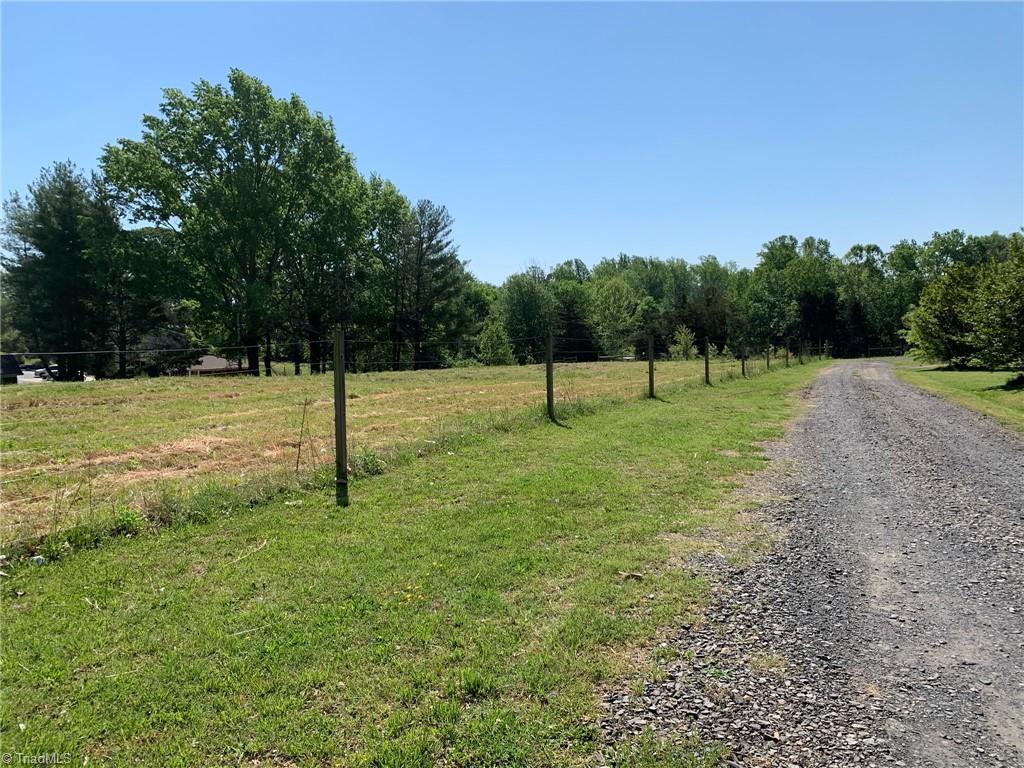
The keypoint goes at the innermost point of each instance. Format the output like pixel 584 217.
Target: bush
pixel 683 346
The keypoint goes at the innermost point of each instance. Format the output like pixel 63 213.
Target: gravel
pixel 887 625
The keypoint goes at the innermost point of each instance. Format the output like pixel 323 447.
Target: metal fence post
pixel 707 363
pixel 550 372
pixel 787 353
pixel 650 365
pixel 743 363
pixel 340 436
pixel 768 358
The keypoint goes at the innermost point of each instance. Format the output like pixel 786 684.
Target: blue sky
pixel 555 131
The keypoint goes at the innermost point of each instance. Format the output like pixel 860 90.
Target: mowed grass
pixel 465 610
pixel 984 391
pixel 72 452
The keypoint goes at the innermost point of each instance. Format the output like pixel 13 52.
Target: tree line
pixel 238 223
pixel 972 314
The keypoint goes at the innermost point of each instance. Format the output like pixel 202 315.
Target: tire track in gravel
pixel 887 626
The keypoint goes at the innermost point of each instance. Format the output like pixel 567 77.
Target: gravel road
pixel 887 626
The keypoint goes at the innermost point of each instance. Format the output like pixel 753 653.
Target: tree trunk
pixel 122 352
pixel 252 353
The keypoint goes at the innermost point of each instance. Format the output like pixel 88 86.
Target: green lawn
pixel 464 610
pixel 984 391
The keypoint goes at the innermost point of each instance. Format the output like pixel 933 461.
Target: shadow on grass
pixel 1015 384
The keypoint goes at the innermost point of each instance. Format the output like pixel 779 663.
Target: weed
pixel 366 462
pixel 126 521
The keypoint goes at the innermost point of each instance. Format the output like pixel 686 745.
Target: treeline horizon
pixel 250 229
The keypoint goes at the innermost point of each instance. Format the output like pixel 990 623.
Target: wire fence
pixel 74 452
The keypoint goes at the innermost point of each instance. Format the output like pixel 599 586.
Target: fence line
pixel 105 453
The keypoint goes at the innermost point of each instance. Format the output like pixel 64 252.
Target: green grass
pixel 983 391
pixel 464 610
pixel 73 452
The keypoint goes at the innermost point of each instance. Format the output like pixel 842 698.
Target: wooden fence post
pixel 650 365
pixel 743 363
pixel 787 353
pixel 550 371
pixel 707 363
pixel 340 435
pixel 768 357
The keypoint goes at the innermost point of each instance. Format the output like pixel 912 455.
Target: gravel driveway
pixel 887 626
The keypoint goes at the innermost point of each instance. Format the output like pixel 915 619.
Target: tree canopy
pixel 237 222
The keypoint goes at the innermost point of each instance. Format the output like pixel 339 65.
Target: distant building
pixel 210 365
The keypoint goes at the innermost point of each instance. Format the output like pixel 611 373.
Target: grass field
pixel 464 610
pixel 984 391
pixel 74 451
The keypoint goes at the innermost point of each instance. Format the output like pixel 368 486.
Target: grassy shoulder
pixel 983 391
pixel 462 611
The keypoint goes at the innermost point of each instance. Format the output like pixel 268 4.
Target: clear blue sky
pixel 581 130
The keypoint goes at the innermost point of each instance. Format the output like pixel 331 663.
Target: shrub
pixel 683 346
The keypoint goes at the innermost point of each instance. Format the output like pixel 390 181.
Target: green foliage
pixel 75 280
pixel 495 346
pixel 997 311
pixel 248 183
pixel 527 308
pixel 127 521
pixel 366 462
pixel 684 344
pixel 616 304
pixel 253 229
pixel 939 327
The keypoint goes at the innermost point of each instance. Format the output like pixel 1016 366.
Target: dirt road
pixel 887 627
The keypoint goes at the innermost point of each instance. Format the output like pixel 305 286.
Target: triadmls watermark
pixel 35 758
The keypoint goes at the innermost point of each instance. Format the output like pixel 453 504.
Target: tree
pixel 574 333
pixel 939 327
pixel 322 278
pixel 437 278
pixel 615 307
pixel 234 173
pixel 49 273
pixel 709 298
pixel 527 309
pixel 997 310
pixel 495 347
pixel 389 222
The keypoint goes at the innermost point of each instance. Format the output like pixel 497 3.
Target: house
pixel 211 365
